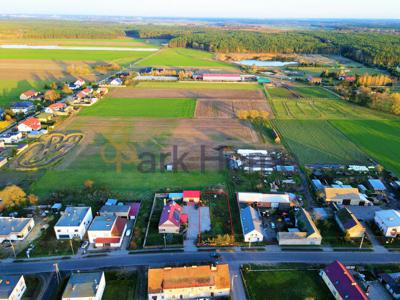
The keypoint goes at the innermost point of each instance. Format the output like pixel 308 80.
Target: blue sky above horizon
pixel 384 9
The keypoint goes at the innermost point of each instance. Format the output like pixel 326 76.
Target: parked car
pixel 128 232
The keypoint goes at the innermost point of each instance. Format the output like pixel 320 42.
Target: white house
pixel 85 286
pixel 222 77
pixel 24 107
pixel 107 231
pixel 15 229
pixel 116 82
pixel 11 137
pixel 28 95
pixel 30 124
pixel 12 287
pixel 388 221
pixel 73 223
pixel 251 225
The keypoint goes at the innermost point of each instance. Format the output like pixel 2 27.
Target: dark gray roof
pixel 82 285
pixel 7 285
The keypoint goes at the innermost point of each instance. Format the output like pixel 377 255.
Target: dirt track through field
pixel 183 93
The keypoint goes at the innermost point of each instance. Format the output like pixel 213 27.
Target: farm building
pixel 281 201
pixel 11 137
pixel 15 229
pixel 171 218
pixel 85 286
pixel 388 222
pixel 341 283
pixel 189 282
pixel 28 95
pixel 349 224
pixel 344 196
pixel 306 232
pixel 107 231
pixel 30 124
pixel 156 78
pixel 73 223
pixel 12 287
pixel 251 225
pixel 377 185
pixel 222 77
pixel 24 107
pixel 314 80
pixel 191 196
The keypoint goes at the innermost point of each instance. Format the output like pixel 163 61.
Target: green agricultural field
pixel 324 109
pixel 198 85
pixel 357 70
pixel 10 90
pixel 280 93
pixel 181 57
pixel 314 92
pixel 87 55
pixel 379 139
pixel 286 285
pixel 314 142
pixel 147 108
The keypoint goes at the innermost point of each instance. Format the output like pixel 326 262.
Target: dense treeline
pixel 60 29
pixel 381 50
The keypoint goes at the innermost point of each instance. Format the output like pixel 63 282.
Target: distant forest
pixel 377 49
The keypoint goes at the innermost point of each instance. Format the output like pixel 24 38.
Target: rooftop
pixel 7 285
pixel 82 285
pixel 73 216
pixel 186 277
pixel 390 217
pixel 250 220
pixel 344 282
pixel 171 212
pixel 258 197
pixel 342 193
pixel 10 225
pixel 115 209
pixel 307 223
pixel 347 218
pixel 377 185
pixel 103 223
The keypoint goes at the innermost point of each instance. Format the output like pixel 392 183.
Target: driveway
pixel 198 219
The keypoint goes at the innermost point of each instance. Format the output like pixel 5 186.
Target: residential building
pixel 73 223
pixel 251 225
pixel 191 196
pixel 28 95
pixel 156 78
pixel 24 107
pixel 44 117
pixel 314 80
pixel 391 281
pixel 122 211
pixel 15 229
pixel 107 231
pixel 85 286
pixel 189 282
pixel 12 287
pixel 349 224
pixel 55 107
pixel 281 201
pixel 11 137
pixel 344 196
pixel 388 222
pixel 222 77
pixel 30 124
pixel 377 185
pixel 341 283
pixel 306 232
pixel 171 218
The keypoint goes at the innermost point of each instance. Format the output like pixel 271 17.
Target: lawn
pixel 195 85
pixel 378 138
pixel 286 285
pixel 146 108
pixel 10 90
pixel 87 55
pixel 314 92
pixel 280 93
pixel 181 57
pixel 120 286
pixel 318 142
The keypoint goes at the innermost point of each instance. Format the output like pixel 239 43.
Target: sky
pixel 383 9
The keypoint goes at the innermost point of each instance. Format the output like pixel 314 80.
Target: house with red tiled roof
pixel 191 196
pixel 55 107
pixel 30 124
pixel 341 283
pixel 171 218
pixel 28 95
pixel 107 231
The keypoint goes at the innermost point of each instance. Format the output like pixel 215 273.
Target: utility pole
pixel 232 283
pixel 72 247
pixel 165 242
pixel 13 248
pixel 57 270
pixel 362 240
